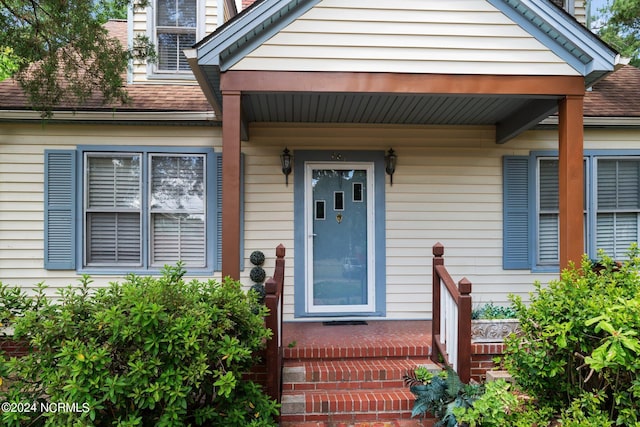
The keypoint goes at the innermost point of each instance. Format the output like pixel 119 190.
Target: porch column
pixel 231 184
pixel 571 180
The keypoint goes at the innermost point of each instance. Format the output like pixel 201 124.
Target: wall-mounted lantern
pixel 390 163
pixel 285 159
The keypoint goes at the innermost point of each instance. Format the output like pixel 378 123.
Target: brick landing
pixel 351 375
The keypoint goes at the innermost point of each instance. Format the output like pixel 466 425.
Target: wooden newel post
pixel 273 320
pixel 438 253
pixel 464 330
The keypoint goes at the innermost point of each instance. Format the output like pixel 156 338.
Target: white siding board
pixel 469 37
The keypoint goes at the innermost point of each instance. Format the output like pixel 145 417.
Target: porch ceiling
pixel 379 108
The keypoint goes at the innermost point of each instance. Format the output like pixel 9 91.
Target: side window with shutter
pixel 59 209
pixel 130 211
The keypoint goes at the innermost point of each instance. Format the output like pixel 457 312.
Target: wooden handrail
pixel 273 300
pixel 460 294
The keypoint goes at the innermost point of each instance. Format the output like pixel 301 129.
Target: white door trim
pixel 308 226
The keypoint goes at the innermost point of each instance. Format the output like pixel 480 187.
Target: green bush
pixel 489 311
pixel 147 352
pixel 579 350
pixel 502 405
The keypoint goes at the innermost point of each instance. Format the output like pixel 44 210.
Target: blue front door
pixel 339 252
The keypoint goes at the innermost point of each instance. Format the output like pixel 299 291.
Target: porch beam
pixel 524 118
pixel 302 81
pixel 571 179
pixel 231 133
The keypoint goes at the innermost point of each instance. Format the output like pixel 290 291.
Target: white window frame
pixel 153 71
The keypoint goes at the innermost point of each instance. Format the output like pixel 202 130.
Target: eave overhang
pixel 214 56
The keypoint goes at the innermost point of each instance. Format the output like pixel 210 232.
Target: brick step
pixel 394 423
pixel 347 406
pixel 357 350
pixel 349 374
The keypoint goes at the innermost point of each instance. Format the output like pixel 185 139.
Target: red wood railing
pixel 273 320
pixel 451 325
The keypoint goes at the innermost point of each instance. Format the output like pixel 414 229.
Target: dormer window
pixel 176 29
pixel 567 5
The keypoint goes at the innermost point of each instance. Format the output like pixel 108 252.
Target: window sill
pixel 114 271
pixel 186 76
pixel 546 269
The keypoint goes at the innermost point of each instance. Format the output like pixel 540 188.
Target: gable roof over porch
pixel 256 66
pixel 416 39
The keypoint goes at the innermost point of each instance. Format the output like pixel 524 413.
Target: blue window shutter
pixel 218 245
pixel 218 220
pixel 515 241
pixel 59 209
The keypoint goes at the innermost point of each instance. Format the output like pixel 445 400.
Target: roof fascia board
pixel 602 57
pixel 597 122
pixel 112 116
pixel 248 30
pixel 208 89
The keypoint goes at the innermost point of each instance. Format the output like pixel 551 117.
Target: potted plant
pixel 492 323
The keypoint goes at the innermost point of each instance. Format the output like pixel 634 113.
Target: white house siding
pixel 22 187
pixel 447 188
pixel 580 11
pixel 459 37
pixel 141 24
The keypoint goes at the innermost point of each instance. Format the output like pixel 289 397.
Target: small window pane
pixel 548 184
pixel 170 50
pixel 320 210
pixel 178 237
pixel 187 13
pixel 357 192
pixel 113 238
pixel 607 184
pixel 548 239
pixel 338 200
pixel 113 182
pixel 628 184
pixel 177 183
pixel 615 233
pixel 167 13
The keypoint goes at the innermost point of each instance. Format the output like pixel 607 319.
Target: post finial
pixel 464 286
pixel 438 249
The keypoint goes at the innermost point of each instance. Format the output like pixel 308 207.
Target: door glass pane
pixel 340 238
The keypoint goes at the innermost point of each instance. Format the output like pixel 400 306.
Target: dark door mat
pixel 344 322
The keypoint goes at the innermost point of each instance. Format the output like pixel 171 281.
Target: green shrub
pixel 580 337
pixel 147 352
pixel 13 303
pixel 501 405
pixel 489 311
